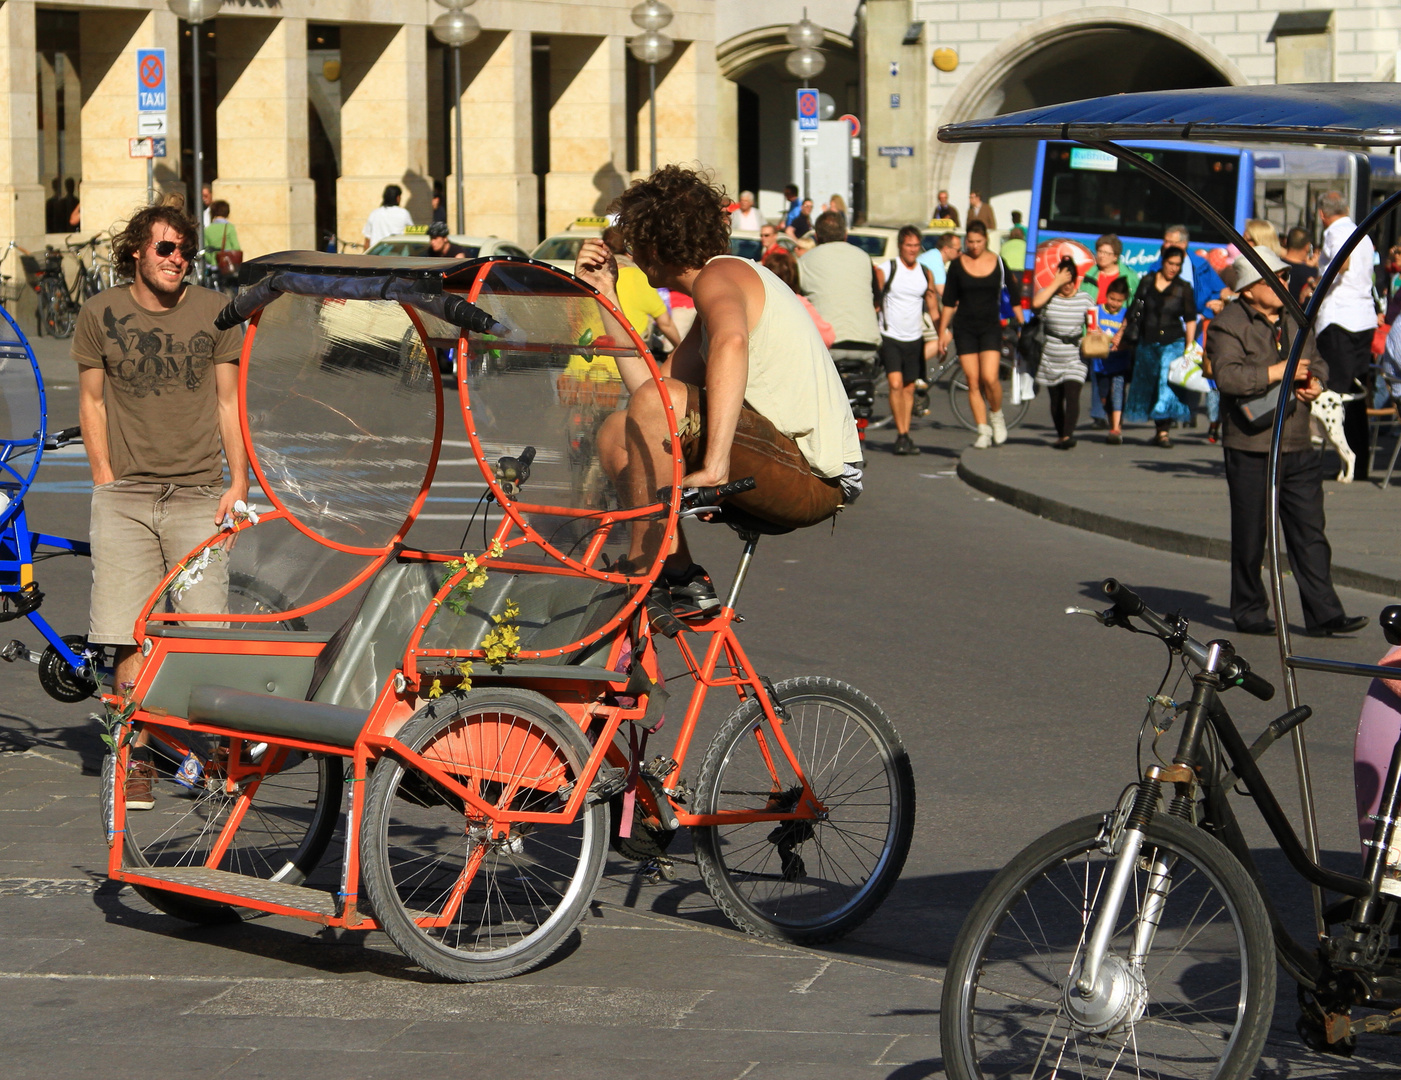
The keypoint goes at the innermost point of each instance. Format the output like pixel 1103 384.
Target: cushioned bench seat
pixel 267 714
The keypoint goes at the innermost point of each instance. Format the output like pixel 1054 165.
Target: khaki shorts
pixel 786 492
pixel 139 532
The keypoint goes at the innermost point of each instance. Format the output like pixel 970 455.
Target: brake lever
pixel 1098 616
pixel 697 511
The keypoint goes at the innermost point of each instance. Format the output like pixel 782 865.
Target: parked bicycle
pixel 57 313
pixel 94 274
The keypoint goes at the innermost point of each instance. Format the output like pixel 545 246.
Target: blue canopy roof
pixel 1338 114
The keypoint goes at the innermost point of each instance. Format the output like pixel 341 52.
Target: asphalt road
pixel 943 604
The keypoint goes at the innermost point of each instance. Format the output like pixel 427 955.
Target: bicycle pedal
pixel 659 614
pixel 659 768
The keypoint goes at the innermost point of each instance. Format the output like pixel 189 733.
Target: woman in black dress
pixel 1163 316
pixel 972 320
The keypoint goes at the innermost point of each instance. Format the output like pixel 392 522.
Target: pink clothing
pixel 1378 728
pixel 829 336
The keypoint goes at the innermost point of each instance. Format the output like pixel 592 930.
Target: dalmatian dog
pixel 1327 411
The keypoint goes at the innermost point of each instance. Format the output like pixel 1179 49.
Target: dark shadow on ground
pixel 19 733
pixel 1198 608
pixel 1178 469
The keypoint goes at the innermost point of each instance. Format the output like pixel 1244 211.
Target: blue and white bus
pixel 1080 194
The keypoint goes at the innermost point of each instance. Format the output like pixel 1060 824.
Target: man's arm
pixel 230 431
pixel 721 304
pixel 668 328
pixel 92 415
pixel 931 296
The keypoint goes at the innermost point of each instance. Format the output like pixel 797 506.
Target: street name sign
pixel 146 148
pixel 894 153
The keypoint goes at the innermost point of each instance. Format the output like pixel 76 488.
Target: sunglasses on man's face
pixel 166 248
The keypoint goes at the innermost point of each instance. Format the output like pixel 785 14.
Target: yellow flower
pixel 436 690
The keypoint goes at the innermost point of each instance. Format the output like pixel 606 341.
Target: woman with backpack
pixel 906 292
pixel 972 321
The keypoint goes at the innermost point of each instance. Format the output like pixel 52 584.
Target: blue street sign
pixel 150 80
pixel 807 110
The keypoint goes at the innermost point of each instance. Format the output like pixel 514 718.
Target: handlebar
pixel 1235 671
pixel 62 438
pixel 691 498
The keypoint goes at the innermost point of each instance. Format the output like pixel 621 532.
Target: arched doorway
pixel 766 103
pixel 1098 52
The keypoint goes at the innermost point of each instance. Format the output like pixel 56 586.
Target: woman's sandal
pixel 1163 439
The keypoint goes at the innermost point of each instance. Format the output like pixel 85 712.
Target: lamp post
pixel 651 47
pixel 197 13
pixel 455 28
pixel 806 61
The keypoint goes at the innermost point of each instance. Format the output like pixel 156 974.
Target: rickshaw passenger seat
pixel 267 714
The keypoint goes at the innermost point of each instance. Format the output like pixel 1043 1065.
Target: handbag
pixel 227 260
pixel 1095 344
pixel 1031 341
pixel 1185 371
pixel 1257 414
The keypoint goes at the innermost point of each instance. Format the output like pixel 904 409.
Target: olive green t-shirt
pixel 162 408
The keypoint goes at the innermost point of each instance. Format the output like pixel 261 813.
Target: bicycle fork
pixel 1101 984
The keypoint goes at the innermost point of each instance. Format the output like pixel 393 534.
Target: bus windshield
pixel 1088 191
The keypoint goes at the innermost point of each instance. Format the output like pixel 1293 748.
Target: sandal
pixel 1163 440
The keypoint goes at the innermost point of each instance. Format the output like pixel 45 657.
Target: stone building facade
pixel 311 107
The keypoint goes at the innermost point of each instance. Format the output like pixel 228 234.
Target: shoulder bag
pixel 227 260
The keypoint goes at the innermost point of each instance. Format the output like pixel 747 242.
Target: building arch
pixel 1075 54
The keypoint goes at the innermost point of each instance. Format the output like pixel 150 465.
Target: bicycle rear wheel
pixel 458 897
pixel 289 817
pixel 806 881
pixel 1198 1006
pixel 958 401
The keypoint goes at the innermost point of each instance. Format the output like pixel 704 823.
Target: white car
pixel 413 241
pixel 562 249
pixel 875 240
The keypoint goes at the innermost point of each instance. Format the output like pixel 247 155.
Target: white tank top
pixel 902 313
pixel 792 380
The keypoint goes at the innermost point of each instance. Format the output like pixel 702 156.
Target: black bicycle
pixel 1143 942
pixel 95 272
pixel 57 311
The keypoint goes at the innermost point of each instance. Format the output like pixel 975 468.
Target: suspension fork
pixel 1182 774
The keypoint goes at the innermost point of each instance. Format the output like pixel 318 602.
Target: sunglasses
pixel 166 248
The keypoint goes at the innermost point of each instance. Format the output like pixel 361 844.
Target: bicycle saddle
pixel 744 522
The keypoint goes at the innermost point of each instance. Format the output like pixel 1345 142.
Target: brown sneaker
pixel 141 780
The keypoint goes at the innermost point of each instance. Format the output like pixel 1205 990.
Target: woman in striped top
pixel 1065 310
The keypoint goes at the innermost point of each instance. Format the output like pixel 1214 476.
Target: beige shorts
pixel 139 532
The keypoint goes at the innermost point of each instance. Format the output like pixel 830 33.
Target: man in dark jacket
pixel 1248 346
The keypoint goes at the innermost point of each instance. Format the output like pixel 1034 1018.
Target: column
pixel 498 184
pixel 686 109
pixel 726 153
pixel 898 191
pixel 263 166
pixel 21 196
pixel 384 123
pixel 588 137
pixel 114 183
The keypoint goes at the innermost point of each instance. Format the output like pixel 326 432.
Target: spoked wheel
pixel 288 809
pixel 1198 1005
pixel 464 898
pixel 806 881
pixel 958 400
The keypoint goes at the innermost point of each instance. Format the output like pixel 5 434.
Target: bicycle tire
pixel 963 411
pixel 259 598
pixel 757 872
pixel 515 899
pixel 278 839
pixel 1007 988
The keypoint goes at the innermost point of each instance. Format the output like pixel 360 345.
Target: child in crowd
pixel 1111 371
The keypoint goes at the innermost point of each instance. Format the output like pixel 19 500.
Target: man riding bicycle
pixel 753 387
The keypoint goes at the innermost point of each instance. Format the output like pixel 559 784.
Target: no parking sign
pixel 807 110
pixel 150 80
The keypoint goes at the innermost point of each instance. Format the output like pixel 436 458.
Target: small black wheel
pixel 1196 1003
pixel 467 897
pixel 806 881
pixel 59 679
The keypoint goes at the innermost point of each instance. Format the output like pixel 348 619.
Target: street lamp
pixel 455 28
pixel 651 47
pixel 806 61
pixel 196 13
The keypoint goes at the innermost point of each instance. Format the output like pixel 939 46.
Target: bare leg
pixel 126 666
pixel 989 364
pixel 902 400
pixel 635 450
pixel 972 372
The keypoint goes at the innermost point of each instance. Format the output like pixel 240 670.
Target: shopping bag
pixel 1185 372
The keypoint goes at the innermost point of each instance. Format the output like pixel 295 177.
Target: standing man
pixel 206 198
pixel 980 211
pixel 836 277
pixel 388 218
pixel 158 404
pixel 944 211
pixel 1347 319
pixel 794 204
pixel 1303 263
pixel 745 217
pixel 1248 345
pixel 907 292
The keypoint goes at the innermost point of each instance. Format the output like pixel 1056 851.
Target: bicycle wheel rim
pixel 1012 997
pixel 493 899
pixel 810 875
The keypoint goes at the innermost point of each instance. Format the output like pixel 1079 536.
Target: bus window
pixel 1089 192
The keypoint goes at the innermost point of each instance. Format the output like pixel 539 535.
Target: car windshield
pixel 871 245
pixel 746 247
pixel 398 247
pixel 559 248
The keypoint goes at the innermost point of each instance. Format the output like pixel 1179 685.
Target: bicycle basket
pixel 32 270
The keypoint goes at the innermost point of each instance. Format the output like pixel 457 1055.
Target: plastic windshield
pixel 22 422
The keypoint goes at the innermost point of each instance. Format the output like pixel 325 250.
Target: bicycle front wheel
pixel 958 401
pixel 802 880
pixel 464 896
pixel 1197 1005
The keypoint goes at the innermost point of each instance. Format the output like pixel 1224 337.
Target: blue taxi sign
pixel 150 80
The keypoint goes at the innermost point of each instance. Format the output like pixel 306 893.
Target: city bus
pixel 1078 194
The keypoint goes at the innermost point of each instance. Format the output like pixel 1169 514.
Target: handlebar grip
pixel 229 317
pixel 1253 684
pixel 1126 601
pixel 68 434
pixel 709 496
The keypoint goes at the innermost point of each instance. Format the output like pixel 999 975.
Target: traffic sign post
pixel 151 125
pixel 808 114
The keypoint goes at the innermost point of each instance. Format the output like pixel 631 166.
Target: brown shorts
pixel 786 492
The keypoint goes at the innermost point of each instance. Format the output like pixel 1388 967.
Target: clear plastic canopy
pixel 22 421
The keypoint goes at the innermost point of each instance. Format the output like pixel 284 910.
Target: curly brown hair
pixel 127 245
pixel 675 217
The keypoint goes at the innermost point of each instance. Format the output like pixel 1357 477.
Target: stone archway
pixel 1079 54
